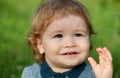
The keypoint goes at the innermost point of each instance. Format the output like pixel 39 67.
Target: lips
pixel 70 53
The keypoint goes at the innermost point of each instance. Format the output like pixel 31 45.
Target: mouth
pixel 70 53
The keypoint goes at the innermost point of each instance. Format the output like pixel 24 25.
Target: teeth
pixel 70 53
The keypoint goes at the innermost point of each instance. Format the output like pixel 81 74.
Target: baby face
pixel 66 43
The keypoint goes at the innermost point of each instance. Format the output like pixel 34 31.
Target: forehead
pixel 70 22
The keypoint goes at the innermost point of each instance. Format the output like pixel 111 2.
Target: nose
pixel 69 43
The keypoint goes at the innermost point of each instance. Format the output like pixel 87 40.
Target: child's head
pixel 57 12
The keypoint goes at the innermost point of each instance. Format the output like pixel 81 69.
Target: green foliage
pixel 15 22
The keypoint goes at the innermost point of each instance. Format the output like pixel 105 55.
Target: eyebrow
pixel 82 30
pixel 56 31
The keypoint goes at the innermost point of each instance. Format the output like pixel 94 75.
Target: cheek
pixel 50 46
pixel 87 45
pixel 84 44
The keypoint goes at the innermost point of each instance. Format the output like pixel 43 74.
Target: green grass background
pixel 15 22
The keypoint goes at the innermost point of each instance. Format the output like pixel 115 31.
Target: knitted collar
pixel 47 72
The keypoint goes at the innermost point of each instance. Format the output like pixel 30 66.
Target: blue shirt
pixel 44 71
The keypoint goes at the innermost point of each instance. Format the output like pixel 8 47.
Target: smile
pixel 70 53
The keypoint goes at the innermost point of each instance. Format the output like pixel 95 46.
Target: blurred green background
pixel 15 22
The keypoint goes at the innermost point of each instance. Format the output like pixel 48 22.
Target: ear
pixel 40 47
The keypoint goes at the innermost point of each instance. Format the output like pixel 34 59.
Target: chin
pixel 71 65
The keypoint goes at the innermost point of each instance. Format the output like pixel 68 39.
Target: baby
pixel 60 40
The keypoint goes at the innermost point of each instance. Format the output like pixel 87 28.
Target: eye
pixel 78 35
pixel 58 36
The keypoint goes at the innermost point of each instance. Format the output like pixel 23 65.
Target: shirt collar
pixel 47 72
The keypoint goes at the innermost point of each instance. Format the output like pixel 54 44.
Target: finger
pixel 101 60
pixel 99 51
pixel 101 56
pixel 108 54
pixel 104 56
pixel 92 62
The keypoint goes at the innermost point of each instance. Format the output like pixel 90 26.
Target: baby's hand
pixel 104 68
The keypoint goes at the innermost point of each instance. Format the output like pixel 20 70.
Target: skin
pixel 104 69
pixel 66 44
